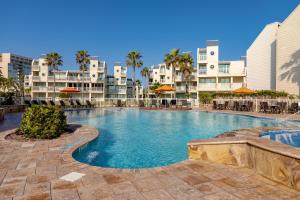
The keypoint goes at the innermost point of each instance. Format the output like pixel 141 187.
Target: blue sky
pixel 111 28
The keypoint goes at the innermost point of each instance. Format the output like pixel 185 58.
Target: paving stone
pixel 208 188
pixel 37 188
pixel 70 194
pixel 221 196
pixel 158 195
pixel 14 180
pixel 184 192
pixel 39 196
pixel 95 192
pixel 124 187
pixel 113 179
pixel 148 184
pixel 34 179
pixel 194 180
pixel 11 190
pixel 73 176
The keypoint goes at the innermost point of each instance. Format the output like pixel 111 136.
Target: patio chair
pixel 282 107
pixel 264 107
pixel 185 104
pixel 27 102
pixel 250 106
pixel 164 103
pixel 293 108
pixel 215 106
pixel 173 103
pixel 141 103
pixel 236 106
pixel 226 105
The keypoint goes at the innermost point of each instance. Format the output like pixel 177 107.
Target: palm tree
pixel 186 67
pixel 146 73
pixel 83 59
pixel 172 60
pixel 134 60
pixel 54 60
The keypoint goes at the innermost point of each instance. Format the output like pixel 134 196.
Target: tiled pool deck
pixel 31 171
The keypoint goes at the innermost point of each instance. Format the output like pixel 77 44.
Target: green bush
pixel 206 98
pixel 43 122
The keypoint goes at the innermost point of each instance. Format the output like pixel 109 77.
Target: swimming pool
pixel 132 138
pixel 289 137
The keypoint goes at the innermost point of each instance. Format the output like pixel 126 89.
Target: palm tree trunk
pixel 54 86
pixel 133 77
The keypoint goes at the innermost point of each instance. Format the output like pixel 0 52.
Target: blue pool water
pixel 289 137
pixel 132 138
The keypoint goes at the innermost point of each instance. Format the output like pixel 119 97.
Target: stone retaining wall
pixel 14 108
pixel 273 160
pixel 2 112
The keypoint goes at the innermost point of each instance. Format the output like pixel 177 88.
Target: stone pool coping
pixel 251 136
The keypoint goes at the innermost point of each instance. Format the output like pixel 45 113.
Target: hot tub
pixel 289 137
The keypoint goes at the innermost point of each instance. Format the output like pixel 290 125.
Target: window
pixel 202 55
pixel 94 65
pixel 212 66
pixel 93 75
pixel 224 80
pixel 202 69
pixel 207 80
pixel 212 53
pixel 224 68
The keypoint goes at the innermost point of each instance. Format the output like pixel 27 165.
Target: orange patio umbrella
pixel 164 88
pixel 243 90
pixel 70 90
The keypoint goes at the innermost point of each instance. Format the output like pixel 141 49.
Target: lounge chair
pixel 34 102
pixel 226 105
pixel 185 104
pixel 72 104
pixel 236 106
pixel 153 103
pixel 119 103
pixel 27 102
pixel 62 103
pixel 250 106
pixel 44 103
pixel 89 104
pixel 52 103
pixel 79 104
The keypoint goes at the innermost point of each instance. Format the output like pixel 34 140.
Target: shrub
pixel 205 98
pixel 43 122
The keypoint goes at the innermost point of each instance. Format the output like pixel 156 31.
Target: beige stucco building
pixel 288 54
pixel 261 59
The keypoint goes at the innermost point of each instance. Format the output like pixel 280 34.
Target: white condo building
pixel 91 83
pixel 216 75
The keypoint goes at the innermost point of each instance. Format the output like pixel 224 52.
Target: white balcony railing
pixel 97 89
pixel 35 78
pixel 207 86
pixel 224 86
pixel 35 68
pixel 39 88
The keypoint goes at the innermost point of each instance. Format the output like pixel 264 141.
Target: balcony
pixel 100 69
pixel 57 89
pixel 97 89
pixel 39 88
pixel 162 71
pixel 36 78
pixel 162 81
pixel 207 86
pixel 35 68
pixel 178 78
pixel 224 86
